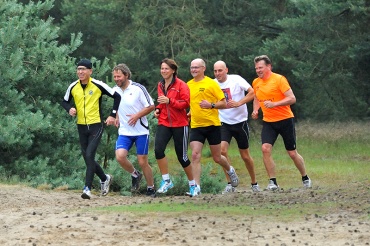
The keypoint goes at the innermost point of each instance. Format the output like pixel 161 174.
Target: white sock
pixel 134 174
pixel 231 170
pixel 192 182
pixel 165 176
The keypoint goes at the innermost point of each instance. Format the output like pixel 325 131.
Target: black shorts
pixel 211 133
pixel 271 130
pixel 239 131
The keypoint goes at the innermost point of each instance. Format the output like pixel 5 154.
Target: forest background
pixel 322 47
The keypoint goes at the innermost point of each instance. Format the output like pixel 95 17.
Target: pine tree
pixel 38 141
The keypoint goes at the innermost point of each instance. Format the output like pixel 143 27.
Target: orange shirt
pixel 272 89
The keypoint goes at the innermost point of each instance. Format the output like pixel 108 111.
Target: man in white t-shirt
pixel 234 118
pixel 133 127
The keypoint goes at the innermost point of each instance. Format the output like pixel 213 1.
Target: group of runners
pixel 201 109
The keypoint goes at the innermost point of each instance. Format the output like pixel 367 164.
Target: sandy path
pixel 34 217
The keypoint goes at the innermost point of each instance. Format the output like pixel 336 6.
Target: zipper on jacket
pixel 83 89
pixel 165 92
pixel 169 115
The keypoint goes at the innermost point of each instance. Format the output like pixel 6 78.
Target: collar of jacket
pixel 163 84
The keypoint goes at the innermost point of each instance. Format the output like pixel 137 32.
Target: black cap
pixel 85 62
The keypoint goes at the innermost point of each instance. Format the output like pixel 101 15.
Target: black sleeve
pixel 66 105
pixel 116 102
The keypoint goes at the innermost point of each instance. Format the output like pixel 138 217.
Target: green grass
pixel 191 208
pixel 221 208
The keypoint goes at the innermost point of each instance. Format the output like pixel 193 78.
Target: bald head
pixel 220 70
pixel 197 69
pixel 220 64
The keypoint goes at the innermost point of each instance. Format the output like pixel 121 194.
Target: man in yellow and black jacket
pixel 87 95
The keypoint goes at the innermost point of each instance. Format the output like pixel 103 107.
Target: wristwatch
pixel 213 105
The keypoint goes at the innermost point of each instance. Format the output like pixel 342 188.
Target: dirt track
pixel 34 217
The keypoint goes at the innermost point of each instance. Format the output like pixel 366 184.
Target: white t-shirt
pixel 133 99
pixel 234 89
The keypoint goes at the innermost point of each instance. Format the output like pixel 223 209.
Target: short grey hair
pixel 200 61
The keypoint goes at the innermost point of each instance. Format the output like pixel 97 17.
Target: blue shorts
pixel 141 142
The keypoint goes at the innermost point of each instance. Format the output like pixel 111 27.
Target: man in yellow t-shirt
pixel 274 96
pixel 206 97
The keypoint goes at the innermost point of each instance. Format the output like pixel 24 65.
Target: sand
pixel 31 216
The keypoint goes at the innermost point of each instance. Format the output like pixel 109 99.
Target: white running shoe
pixel 105 185
pixel 307 183
pixel 194 190
pixel 272 186
pixel 233 177
pixel 86 193
pixel 256 188
pixel 165 186
pixel 228 189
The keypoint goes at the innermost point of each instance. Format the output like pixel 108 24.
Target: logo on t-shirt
pixel 227 95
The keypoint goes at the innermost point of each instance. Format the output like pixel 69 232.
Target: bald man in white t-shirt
pixel 234 118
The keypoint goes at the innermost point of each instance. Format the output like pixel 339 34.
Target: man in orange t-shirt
pixel 274 96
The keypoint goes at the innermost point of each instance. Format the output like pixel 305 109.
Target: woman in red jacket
pixel 173 99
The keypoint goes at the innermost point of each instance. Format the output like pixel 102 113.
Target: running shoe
pixel 165 186
pixel 307 183
pixel 228 189
pixel 86 193
pixel 272 186
pixel 151 192
pixel 194 190
pixel 105 185
pixel 256 188
pixel 136 182
pixel 233 177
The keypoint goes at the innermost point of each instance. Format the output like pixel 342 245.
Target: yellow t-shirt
pixel 272 89
pixel 206 89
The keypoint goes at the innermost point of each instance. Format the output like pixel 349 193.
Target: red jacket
pixel 174 113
